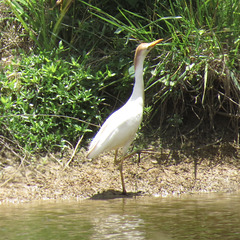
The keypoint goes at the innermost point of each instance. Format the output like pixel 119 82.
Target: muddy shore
pixel 157 174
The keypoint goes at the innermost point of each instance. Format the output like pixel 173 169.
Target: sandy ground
pixel 157 174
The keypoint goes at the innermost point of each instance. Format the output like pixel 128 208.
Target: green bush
pixel 47 101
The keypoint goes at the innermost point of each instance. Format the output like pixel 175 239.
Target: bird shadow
pixel 114 194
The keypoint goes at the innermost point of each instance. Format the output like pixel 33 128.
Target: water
pixel 214 216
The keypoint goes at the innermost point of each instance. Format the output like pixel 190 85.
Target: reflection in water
pixel 116 226
pixel 191 217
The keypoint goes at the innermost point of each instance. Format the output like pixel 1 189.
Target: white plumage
pixel 121 134
pixel 121 126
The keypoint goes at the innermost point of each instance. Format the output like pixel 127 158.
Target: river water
pixel 207 216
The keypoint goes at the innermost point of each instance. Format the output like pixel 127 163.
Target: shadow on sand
pixel 112 194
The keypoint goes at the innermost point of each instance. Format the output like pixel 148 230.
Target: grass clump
pixel 40 21
pixel 199 73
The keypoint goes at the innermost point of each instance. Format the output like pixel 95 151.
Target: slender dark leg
pixel 122 179
pixel 120 169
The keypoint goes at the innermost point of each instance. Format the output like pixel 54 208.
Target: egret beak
pixel 152 44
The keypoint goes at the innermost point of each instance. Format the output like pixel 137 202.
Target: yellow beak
pixel 152 44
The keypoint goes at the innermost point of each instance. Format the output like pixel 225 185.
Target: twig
pixel 74 152
pixel 230 99
pixel 60 163
pixel 12 176
pixel 229 115
pixel 207 145
pixel 48 115
pixel 20 165
pixel 149 151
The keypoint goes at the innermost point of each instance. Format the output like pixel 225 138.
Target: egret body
pixel 120 128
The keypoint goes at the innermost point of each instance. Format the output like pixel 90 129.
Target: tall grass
pixel 40 21
pixel 199 60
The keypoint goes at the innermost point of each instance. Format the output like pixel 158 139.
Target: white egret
pixel 120 128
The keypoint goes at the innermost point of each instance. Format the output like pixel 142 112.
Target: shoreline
pixel 100 179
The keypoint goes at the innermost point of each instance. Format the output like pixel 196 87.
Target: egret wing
pixel 117 131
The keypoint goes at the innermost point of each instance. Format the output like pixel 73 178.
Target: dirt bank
pixel 158 174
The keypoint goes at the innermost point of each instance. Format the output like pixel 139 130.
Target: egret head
pixel 142 50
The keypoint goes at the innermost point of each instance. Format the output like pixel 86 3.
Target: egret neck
pixel 138 89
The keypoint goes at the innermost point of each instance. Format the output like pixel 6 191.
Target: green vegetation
pixel 79 66
pixel 46 101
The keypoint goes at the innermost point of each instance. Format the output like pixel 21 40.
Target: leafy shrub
pixel 43 96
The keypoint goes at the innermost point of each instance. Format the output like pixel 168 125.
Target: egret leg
pixel 115 156
pixel 121 174
pixel 116 162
